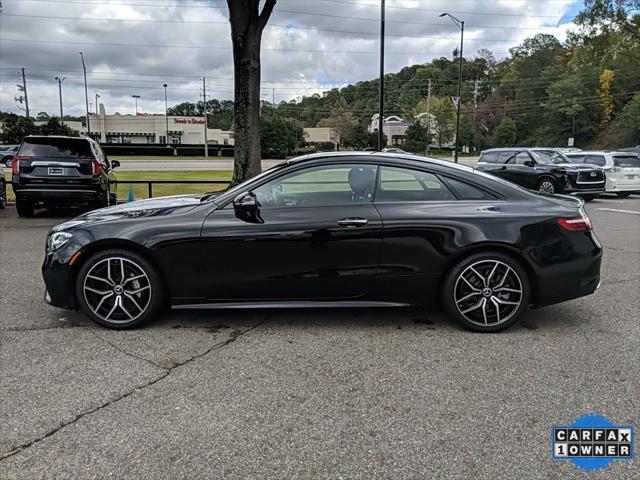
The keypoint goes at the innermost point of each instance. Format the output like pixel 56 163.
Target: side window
pixel 576 158
pixel 520 158
pixel 488 157
pixel 468 192
pixel 598 160
pixel 504 156
pixel 406 185
pixel 325 185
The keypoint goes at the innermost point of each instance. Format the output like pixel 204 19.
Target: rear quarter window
pixel 56 147
pixel 626 161
pixel 468 192
pixel 598 160
pixel 488 157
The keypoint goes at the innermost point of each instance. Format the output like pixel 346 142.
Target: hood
pixel 159 206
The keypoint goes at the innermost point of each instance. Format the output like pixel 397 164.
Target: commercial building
pixel 152 129
pixel 322 135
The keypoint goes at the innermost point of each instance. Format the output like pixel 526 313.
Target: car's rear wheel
pixel 3 194
pixel 547 185
pixel 119 289
pixel 623 194
pixel 589 198
pixel 487 292
pixel 25 208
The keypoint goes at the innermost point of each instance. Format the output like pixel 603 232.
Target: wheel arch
pixel 89 250
pixel 504 248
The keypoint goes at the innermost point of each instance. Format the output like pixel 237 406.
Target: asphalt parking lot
pixel 311 394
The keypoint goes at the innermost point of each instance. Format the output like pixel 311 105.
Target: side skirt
pixel 291 304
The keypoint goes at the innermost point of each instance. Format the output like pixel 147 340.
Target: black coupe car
pixel 543 169
pixel 331 230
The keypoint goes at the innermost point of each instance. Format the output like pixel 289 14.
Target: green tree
pixel 357 138
pixel 505 134
pixel 54 127
pixel 280 137
pixel 417 138
pixel 15 128
pixel 340 118
pixel 443 112
pixel 565 106
pixel 43 116
pixel 629 118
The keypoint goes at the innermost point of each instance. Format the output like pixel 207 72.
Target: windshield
pixel 238 188
pixel 549 157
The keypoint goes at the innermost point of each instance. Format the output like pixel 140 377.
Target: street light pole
pixel 97 110
pixel 60 80
pixel 166 118
pixel 86 94
pixel 381 93
pixel 136 98
pixel 460 24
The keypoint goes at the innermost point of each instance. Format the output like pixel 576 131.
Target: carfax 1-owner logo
pixel 592 442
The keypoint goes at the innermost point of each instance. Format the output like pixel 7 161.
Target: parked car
pixel 543 169
pixel 3 184
pixel 309 233
pixel 635 149
pixel 7 152
pixel 622 169
pixel 51 171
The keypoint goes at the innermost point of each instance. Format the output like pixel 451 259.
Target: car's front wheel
pixel 119 289
pixel 487 292
pixel 547 185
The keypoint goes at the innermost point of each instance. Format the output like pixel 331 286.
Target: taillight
pixel 96 169
pixel 577 224
pixel 15 164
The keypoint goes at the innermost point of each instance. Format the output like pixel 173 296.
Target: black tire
pixel 113 198
pixel 547 185
pixel 25 208
pixel 101 201
pixel 3 194
pixel 144 306
pixel 483 318
pixel 589 198
pixel 623 194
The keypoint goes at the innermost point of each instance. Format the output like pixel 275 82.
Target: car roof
pixel 67 137
pixel 377 155
pixel 518 149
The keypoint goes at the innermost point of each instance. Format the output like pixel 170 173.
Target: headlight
pixel 58 239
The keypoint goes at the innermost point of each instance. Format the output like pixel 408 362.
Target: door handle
pixel 353 222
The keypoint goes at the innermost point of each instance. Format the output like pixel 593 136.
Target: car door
pixel 521 170
pixel 314 235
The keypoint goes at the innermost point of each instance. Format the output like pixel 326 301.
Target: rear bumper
pixel 39 194
pixel 614 185
pixel 574 278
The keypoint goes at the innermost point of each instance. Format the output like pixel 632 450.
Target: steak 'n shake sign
pixel 189 121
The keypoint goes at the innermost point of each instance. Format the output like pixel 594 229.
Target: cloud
pixel 134 46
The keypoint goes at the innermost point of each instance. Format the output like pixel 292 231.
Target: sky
pixel 132 47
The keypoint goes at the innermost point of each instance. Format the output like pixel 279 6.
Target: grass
pixel 140 191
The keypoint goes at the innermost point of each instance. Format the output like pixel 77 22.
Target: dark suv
pixel 543 169
pixel 52 171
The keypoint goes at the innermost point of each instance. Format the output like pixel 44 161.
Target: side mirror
pixel 115 163
pixel 529 163
pixel 246 208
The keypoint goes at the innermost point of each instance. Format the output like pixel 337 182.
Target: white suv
pixel 622 169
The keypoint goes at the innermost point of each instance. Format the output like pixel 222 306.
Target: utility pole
pixel 381 94
pixel 24 87
pixel 60 80
pixel 429 115
pixel 166 118
pixel 204 97
pixel 476 92
pixel 136 97
pixel 97 109
pixel 86 94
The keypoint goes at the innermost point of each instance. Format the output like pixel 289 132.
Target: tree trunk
pixel 247 24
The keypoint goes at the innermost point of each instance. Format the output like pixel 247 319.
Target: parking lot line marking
pixel 618 210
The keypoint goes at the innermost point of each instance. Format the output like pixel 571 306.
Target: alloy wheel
pixel 546 186
pixel 488 293
pixel 117 290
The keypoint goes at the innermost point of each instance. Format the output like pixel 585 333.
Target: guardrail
pixel 150 183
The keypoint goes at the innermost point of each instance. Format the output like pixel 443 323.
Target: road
pixel 219 163
pixel 321 394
